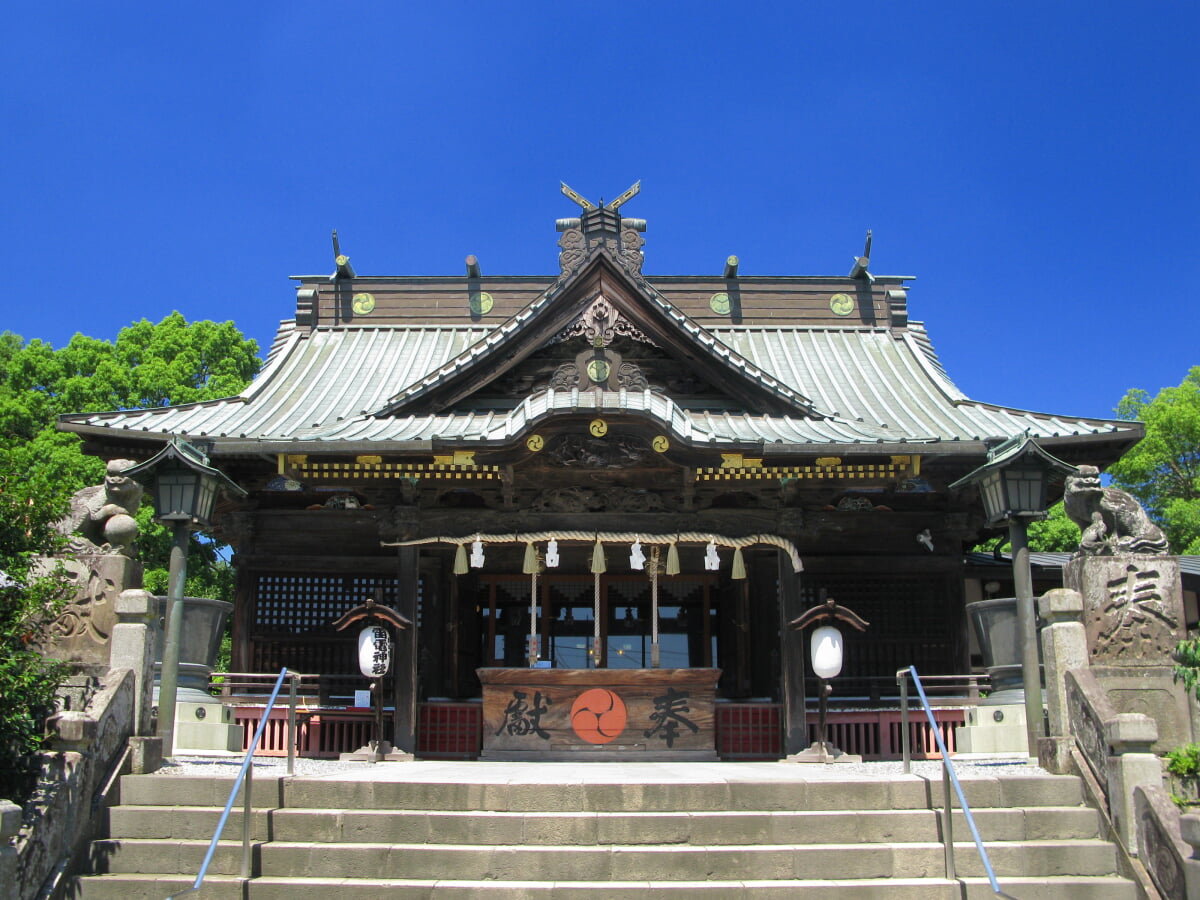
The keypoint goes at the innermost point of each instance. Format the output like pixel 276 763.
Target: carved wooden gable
pixel 600 327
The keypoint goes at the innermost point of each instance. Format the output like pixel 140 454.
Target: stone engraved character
pixel 668 716
pixel 521 718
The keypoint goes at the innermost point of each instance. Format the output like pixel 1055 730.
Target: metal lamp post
pixel 1012 485
pixel 185 488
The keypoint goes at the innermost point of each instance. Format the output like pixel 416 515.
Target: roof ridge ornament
pixel 601 226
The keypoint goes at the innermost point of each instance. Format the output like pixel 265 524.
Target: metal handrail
pixel 949 776
pixel 247 775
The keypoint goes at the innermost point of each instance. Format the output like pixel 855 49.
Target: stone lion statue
pixel 1111 521
pixel 100 519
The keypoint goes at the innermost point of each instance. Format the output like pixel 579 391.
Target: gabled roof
pixel 600 276
pixel 322 389
pixel 811 364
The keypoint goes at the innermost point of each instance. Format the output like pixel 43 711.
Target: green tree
pixel 1055 533
pixel 29 598
pixel 149 365
pixel 1163 470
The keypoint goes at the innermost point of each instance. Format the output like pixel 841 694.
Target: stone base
pixel 377 751
pixel 1151 691
pixel 1054 755
pixel 993 729
pixel 145 754
pixel 206 727
pixel 820 752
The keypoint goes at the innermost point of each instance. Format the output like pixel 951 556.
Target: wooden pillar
pixel 433 660
pixel 791 660
pixel 243 617
pixel 407 688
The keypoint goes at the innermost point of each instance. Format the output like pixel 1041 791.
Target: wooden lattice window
pixel 913 622
pixel 304 604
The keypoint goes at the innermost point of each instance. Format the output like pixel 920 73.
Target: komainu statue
pixel 101 517
pixel 1111 520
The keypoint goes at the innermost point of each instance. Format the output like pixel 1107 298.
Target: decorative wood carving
pixel 577 499
pixel 630 377
pixel 565 377
pixel 594 453
pixel 631 249
pixel 601 324
pixel 572 249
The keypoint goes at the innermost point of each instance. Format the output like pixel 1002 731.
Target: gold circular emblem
pixel 535 442
pixel 841 304
pixel 660 443
pixel 598 427
pixel 720 304
pixel 362 304
pixel 481 303
pixel 598 370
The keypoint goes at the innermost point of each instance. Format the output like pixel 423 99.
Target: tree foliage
pixel 1163 470
pixel 1055 533
pixel 29 598
pixel 149 365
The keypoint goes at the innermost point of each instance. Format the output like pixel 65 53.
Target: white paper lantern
pixel 826 651
pixel 374 651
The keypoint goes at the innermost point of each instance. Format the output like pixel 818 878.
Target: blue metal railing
pixel 949 777
pixel 246 774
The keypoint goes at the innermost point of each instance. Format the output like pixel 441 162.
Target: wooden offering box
pixel 599 714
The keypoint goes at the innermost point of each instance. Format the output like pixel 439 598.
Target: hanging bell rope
pixel 625 537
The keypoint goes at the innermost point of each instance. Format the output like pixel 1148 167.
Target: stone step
pixel 897 792
pixel 573 828
pixel 156 887
pixel 551 863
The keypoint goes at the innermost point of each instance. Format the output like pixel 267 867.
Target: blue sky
pixel 1033 164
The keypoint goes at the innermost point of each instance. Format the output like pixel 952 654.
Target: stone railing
pixel 60 821
pixel 1169 842
pixel 100 732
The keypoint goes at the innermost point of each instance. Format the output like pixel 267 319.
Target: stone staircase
pixel 417 830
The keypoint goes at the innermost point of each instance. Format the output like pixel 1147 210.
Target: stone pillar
pixel 1064 647
pixel 1130 763
pixel 1189 827
pixel 10 825
pixel 134 639
pixel 1133 619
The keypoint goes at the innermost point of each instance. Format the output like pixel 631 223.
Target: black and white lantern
pixel 374 651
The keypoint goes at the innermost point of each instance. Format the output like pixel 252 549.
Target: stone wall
pixel 60 822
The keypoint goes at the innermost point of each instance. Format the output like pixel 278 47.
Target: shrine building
pixel 601 480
